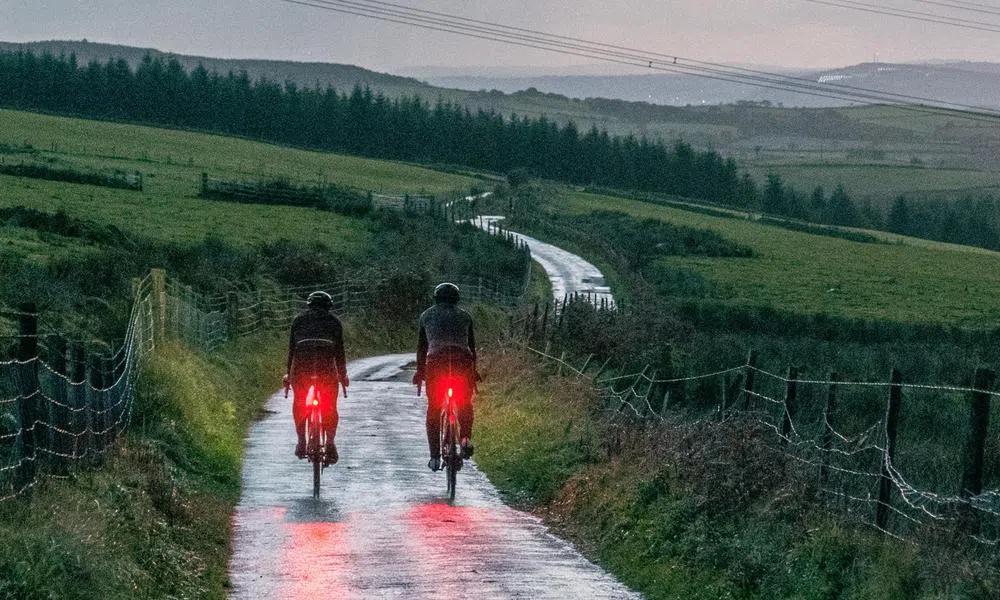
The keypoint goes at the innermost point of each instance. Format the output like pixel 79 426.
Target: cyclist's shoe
pixel 467 448
pixel 330 457
pixel 434 464
pixel 300 449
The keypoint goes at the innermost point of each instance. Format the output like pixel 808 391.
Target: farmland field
pixel 172 162
pixel 908 280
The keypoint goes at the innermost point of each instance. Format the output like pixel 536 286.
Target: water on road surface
pixel 568 273
pixel 382 527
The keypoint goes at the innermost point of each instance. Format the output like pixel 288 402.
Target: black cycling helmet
pixel 320 299
pixel 446 292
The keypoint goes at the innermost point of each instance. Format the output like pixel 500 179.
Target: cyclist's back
pixel 316 358
pixel 446 346
pixel 446 332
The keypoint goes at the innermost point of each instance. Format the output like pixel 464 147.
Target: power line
pixel 437 21
pixel 910 14
pixel 966 6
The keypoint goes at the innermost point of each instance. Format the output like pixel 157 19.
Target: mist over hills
pixel 976 84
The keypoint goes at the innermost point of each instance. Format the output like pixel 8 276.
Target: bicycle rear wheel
pixel 315 450
pixel 452 459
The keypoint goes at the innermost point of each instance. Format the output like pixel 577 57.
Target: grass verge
pixel 703 510
pixel 154 520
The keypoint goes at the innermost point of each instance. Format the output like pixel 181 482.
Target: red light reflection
pixel 316 562
pixel 452 543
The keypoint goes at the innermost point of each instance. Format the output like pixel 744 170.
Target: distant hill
pixel 976 84
pixel 309 74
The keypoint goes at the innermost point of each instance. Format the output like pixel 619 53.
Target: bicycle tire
pixel 315 451
pixel 454 460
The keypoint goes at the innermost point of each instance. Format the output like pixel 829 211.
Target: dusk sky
pixel 791 33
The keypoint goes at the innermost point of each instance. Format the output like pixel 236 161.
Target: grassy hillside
pixel 909 280
pixel 172 162
pixel 942 153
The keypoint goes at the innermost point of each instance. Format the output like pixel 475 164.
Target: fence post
pixel 59 414
pixel 831 408
pixel 95 416
pixel 113 406
pixel 791 392
pixel 27 393
pixel 78 383
pixel 545 320
pixel 891 422
pixel 159 279
pixel 751 367
pixel 233 313
pixel 975 449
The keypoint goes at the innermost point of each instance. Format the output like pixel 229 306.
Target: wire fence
pixel 915 461
pixel 64 403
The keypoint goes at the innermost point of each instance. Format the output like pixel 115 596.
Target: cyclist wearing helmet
pixel 446 345
pixel 316 357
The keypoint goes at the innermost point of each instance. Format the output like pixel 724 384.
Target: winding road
pixel 383 527
pixel 568 273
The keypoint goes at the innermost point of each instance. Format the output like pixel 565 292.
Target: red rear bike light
pixel 450 392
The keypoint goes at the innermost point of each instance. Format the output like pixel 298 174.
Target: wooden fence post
pixel 891 423
pixel 545 320
pixel 828 412
pixel 159 280
pixel 78 383
pixel 975 449
pixel 791 392
pixel 113 405
pixel 59 413
pixel 95 414
pixel 751 367
pixel 28 397
pixel 233 313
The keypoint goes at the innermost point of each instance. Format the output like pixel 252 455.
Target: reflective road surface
pixel 382 527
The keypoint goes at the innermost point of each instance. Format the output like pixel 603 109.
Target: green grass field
pixel 172 162
pixel 909 281
pixel 881 182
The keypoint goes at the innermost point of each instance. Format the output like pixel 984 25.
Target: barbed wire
pixel 851 462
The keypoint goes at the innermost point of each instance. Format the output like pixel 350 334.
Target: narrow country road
pixel 382 528
pixel 568 273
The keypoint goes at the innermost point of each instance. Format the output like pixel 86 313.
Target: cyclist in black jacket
pixel 446 344
pixel 316 357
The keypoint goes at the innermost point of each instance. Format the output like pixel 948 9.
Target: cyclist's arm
pixel 339 355
pixel 291 349
pixel 472 343
pixel 421 349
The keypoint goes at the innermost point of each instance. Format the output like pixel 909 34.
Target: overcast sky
pixel 792 33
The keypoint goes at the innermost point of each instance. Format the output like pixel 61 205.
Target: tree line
pixel 410 128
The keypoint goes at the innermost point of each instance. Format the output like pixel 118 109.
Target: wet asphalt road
pixel 382 527
pixel 568 273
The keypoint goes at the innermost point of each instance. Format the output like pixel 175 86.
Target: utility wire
pixel 437 21
pixel 968 6
pixel 910 14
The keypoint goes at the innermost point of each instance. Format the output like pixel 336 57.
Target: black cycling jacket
pixel 444 329
pixel 316 345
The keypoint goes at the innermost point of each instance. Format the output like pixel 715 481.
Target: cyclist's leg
pixel 330 420
pixel 331 417
pixel 299 393
pixel 433 420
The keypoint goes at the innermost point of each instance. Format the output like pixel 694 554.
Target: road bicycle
pixel 315 402
pixel 455 389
